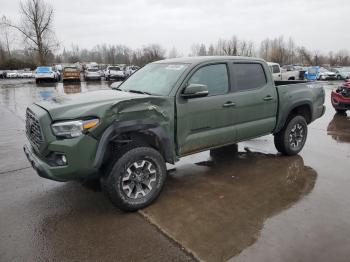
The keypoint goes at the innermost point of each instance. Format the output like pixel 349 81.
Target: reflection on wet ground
pixel 221 204
pixel 339 128
pixel 17 94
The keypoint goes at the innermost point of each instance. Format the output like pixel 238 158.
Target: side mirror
pixel 195 90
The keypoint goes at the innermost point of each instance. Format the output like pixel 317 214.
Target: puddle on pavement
pixel 17 94
pixel 339 128
pixel 217 207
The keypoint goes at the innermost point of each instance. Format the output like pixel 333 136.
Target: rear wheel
pixel 291 139
pixel 136 178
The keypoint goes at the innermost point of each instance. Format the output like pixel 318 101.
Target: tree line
pixel 41 46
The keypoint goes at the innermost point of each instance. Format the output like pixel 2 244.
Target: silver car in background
pixel 115 72
pixel 92 74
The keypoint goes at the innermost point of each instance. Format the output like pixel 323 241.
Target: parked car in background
pixel 129 70
pixel 44 73
pixel 340 98
pixel 92 74
pixel 311 73
pixel 71 73
pixel 28 74
pixel 115 72
pixel 25 74
pixel 341 73
pixel 282 74
pixel 325 74
pixel 12 74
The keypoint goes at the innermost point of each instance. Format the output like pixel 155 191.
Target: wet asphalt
pixel 250 205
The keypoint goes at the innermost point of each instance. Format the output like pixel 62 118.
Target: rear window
pixel 249 76
pixel 43 69
pixel 114 68
pixel 92 70
pixel 70 69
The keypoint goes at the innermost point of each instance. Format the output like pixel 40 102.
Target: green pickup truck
pixel 166 110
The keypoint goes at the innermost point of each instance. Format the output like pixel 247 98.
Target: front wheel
pixel 135 179
pixel 291 139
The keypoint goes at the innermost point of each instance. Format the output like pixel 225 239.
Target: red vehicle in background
pixel 340 97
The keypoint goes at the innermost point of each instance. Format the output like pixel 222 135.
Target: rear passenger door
pixel 255 97
pixel 205 122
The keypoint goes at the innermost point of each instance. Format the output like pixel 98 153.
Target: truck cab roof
pixel 205 59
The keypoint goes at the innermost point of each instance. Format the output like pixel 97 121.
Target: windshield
pixel 92 70
pixel 312 71
pixel 156 79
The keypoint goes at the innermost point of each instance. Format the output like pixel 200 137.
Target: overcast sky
pixel 317 24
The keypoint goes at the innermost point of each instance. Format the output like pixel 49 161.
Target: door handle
pixel 268 98
pixel 229 104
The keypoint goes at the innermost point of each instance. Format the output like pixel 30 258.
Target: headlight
pixel 70 129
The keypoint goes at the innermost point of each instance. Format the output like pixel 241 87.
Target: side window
pixel 213 76
pixel 249 76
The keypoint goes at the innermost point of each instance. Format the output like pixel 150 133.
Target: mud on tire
pixel 291 139
pixel 136 178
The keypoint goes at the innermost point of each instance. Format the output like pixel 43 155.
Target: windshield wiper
pixel 138 92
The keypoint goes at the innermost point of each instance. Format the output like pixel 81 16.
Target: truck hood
pixel 84 104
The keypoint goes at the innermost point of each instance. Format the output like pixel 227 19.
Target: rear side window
pixel 213 76
pixel 249 76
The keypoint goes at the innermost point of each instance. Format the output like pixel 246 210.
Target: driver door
pixel 204 122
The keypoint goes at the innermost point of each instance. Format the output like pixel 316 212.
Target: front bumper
pixel 39 166
pixel 79 152
pixel 339 101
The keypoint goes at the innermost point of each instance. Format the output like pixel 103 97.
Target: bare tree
pixel 173 53
pixel 211 50
pixel 36 27
pixel 6 38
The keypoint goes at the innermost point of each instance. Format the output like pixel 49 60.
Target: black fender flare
pixel 118 128
pixel 290 109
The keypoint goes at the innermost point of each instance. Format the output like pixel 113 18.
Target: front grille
pixel 344 105
pixel 33 129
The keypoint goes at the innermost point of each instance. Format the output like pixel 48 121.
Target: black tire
pixel 119 190
pixel 291 139
pixel 340 111
pixel 37 81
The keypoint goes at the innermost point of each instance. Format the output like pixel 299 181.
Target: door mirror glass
pixel 195 90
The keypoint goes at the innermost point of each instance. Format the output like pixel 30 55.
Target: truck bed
pixel 294 93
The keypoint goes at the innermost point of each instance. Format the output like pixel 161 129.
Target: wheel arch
pixel 303 108
pixel 146 131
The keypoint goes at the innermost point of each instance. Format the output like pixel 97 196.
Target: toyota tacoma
pixel 166 110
